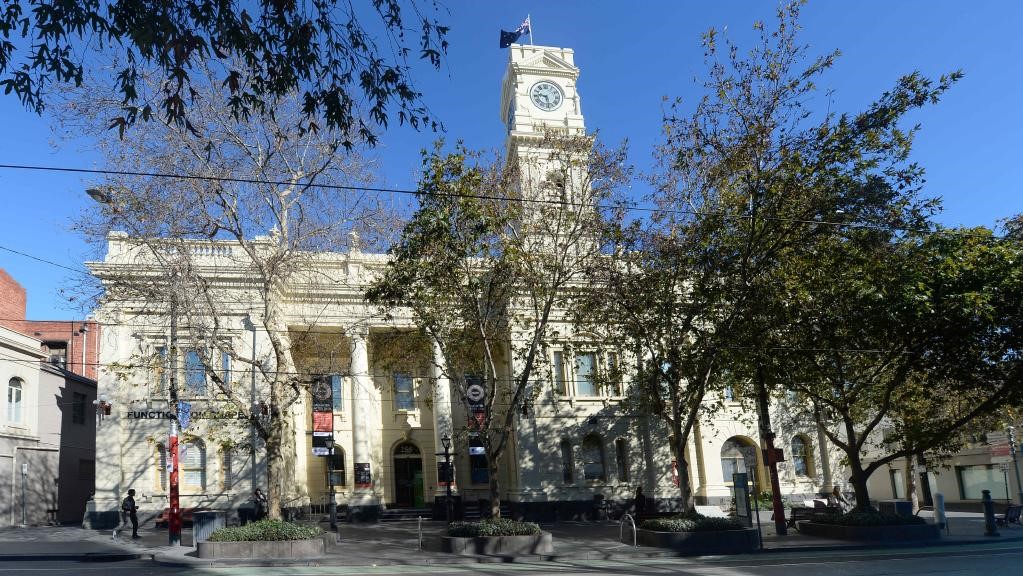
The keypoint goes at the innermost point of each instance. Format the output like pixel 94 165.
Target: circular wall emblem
pixel 475 393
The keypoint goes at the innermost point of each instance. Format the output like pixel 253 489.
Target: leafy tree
pixel 747 180
pixel 487 263
pixel 252 208
pixel 902 340
pixel 325 51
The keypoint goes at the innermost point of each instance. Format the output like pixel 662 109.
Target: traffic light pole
pixel 174 520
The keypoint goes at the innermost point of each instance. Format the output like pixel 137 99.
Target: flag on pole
pixel 509 38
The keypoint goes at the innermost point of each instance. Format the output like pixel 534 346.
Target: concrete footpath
pixel 396 543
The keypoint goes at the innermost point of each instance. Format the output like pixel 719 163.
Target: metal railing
pixel 621 528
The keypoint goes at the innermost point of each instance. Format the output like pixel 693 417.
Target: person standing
pixel 129 513
pixel 259 505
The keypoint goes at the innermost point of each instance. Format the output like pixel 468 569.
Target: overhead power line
pixel 405 191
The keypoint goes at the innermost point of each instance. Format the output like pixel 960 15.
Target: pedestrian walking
pixel 129 513
pixel 639 502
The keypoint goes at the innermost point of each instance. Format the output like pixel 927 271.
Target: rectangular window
pixel 161 369
pixel 560 382
pixel 193 465
pixel 227 467
pixel 898 483
pixel 57 353
pixel 403 399
pixel 161 467
pixel 567 463
pixel 622 456
pixel 78 408
pixel 195 373
pixel 585 365
pixel 335 388
pixel 615 374
pixel 225 369
pixel 337 467
pixel 974 479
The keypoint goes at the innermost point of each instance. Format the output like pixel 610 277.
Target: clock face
pixel 321 390
pixel 546 95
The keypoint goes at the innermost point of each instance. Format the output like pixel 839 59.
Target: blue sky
pixel 632 54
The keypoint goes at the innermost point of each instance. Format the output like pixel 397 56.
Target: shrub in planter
pixel 497 527
pixel 691 522
pixel 264 531
pixel 871 518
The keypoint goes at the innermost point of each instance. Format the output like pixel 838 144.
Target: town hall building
pixel 388 413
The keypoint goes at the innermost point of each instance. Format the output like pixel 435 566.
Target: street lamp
pixel 445 441
pixel 102 408
pixel 329 442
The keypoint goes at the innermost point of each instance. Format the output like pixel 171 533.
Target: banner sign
pixel 363 477
pixel 323 394
pixel 184 414
pixel 323 423
pixel 320 446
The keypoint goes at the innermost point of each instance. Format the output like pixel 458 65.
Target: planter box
pixel 894 534
pixel 299 549
pixel 712 542
pixel 541 543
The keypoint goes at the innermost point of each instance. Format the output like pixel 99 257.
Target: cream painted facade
pixel 394 404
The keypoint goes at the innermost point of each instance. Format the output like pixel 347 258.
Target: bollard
pixel 939 512
pixel 989 514
pixel 420 532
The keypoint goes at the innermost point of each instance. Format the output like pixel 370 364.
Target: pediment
pixel 546 62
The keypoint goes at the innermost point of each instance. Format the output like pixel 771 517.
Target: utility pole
pixel 174 521
pixel 248 324
pixel 767 435
pixel 1015 461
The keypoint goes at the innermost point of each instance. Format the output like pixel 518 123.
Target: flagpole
pixel 530 20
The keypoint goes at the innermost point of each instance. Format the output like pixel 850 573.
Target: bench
pixel 1011 516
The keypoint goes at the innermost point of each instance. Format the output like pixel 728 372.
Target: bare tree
pixel 254 202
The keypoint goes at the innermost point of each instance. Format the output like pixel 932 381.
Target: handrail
pixel 621 528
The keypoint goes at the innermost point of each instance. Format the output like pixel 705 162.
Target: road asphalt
pixel 398 543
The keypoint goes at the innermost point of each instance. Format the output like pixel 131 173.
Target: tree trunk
pixel 495 490
pixel 767 437
pixel 274 463
pixel 858 478
pixel 912 490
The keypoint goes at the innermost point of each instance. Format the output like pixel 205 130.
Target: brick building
pixel 47 413
pixel 69 344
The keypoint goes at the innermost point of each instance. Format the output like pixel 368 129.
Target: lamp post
pixel 248 324
pixel 445 441
pixel 332 506
pixel 1015 461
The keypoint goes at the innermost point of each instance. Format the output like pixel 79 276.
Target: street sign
pixel 1000 449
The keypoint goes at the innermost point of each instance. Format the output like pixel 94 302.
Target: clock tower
pixel 539 91
pixel 539 100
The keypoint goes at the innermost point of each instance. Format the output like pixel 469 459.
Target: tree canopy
pixel 325 50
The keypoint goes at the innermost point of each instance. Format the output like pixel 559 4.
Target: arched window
pixel 193 465
pixel 567 463
pixel 800 456
pixel 622 459
pixel 337 466
pixel 15 389
pixel 479 468
pixel 733 459
pixel 593 458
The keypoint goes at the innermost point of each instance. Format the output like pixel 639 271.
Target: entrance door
pixel 408 476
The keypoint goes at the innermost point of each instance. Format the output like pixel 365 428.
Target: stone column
pixel 365 505
pixel 442 421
